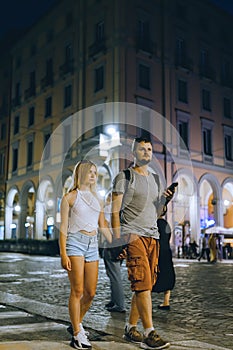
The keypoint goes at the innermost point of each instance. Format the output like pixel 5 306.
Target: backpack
pixel 127 177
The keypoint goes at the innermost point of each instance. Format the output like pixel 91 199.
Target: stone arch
pixel 186 201
pixel 215 188
pixel 13 191
pixel 27 186
pixel 227 202
pixel 46 184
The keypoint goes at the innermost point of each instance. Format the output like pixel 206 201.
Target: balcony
pixel 16 102
pixel 67 68
pixel 227 81
pixel 97 48
pixel 46 81
pixel 183 62
pixel 207 72
pixel 30 92
pixel 146 45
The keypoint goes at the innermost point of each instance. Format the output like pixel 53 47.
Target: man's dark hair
pixel 140 139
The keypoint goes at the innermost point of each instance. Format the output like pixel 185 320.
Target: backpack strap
pixel 127 177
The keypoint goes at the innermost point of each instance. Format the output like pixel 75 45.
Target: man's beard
pixel 142 162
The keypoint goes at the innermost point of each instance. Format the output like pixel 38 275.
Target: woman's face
pixel 91 176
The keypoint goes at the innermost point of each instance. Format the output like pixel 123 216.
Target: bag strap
pixel 127 177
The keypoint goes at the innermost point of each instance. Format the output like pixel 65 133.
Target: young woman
pixel 81 216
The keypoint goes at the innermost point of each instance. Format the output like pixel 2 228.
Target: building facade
pixel 162 66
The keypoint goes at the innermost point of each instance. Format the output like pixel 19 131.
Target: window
pixel 143 30
pixel 47 146
pixel 99 117
pixel 29 153
pixel 2 164
pixel 206 103
pixel 180 51
pixel 3 131
pixel 48 107
pixel 14 159
pixel 144 76
pixel 49 69
pixel 66 138
pixel 226 70
pixel 207 141
pixel 143 35
pixel 17 94
pixel 204 59
pixel 227 107
pixel 183 131
pixel 31 116
pixel 32 82
pixel 143 121
pixel 182 91
pixel 99 78
pixel 99 31
pixel 228 147
pixel 207 127
pixel 16 125
pixel 68 96
pixel 68 53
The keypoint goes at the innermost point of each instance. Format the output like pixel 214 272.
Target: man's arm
pixel 115 218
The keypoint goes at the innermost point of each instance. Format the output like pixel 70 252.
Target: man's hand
pixel 118 250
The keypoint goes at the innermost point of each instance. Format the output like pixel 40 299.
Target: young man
pixel 135 209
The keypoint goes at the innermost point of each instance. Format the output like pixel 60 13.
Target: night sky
pixel 16 14
pixel 22 13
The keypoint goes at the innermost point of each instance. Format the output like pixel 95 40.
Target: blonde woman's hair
pixel 79 175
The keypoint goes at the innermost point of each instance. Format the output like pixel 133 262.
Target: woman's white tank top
pixel 84 214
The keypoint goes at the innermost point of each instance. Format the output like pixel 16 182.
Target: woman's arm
pixel 65 260
pixel 104 227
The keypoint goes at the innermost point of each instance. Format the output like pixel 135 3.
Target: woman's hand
pixel 66 263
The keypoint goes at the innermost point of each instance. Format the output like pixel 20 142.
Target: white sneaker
pixel 82 330
pixel 80 341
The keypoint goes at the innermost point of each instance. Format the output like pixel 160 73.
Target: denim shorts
pixel 79 244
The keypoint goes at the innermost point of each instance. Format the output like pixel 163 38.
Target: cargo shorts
pixel 142 262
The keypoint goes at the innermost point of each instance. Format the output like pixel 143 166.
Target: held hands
pixel 118 250
pixel 66 263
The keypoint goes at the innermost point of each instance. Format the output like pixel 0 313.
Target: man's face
pixel 143 153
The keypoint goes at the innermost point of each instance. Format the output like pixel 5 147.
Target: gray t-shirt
pixel 138 212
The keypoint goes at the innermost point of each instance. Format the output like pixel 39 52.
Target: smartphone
pixel 173 186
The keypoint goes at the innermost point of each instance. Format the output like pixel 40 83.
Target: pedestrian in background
pixel 203 248
pixel 113 269
pixel 134 217
pixel 213 248
pixel 81 214
pixel 166 275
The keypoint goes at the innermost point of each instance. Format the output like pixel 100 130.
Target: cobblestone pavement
pixel 201 315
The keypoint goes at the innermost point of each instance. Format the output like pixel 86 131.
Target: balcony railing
pixel 67 68
pixel 147 45
pixel 16 102
pixel 97 47
pixel 227 81
pixel 207 72
pixel 46 81
pixel 31 91
pixel 184 62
